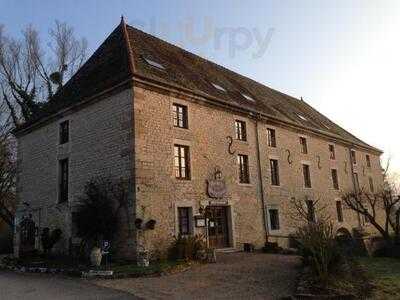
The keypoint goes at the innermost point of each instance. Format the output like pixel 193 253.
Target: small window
pixel 271 137
pixel 339 211
pixel 64 132
pixel 306 175
pixel 247 97
pixel 63 180
pixel 154 63
pixel 180 116
pixel 371 185
pixel 243 162
pixel 184 220
pixel 274 218
pixel 240 127
pixel 218 87
pixel 303 144
pixel 181 162
pixel 353 157
pixel 356 181
pixel 310 211
pixel 274 171
pixel 332 154
pixel 335 181
pixel 302 117
pixel 368 159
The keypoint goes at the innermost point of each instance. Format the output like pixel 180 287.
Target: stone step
pixel 227 250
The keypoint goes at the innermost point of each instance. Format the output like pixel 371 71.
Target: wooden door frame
pixel 228 224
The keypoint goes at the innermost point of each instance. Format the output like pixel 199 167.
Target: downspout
pixel 260 178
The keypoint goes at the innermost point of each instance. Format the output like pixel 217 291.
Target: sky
pixel 342 56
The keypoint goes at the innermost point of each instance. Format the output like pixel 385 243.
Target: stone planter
pixel 96 256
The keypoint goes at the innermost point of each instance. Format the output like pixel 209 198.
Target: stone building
pixel 192 138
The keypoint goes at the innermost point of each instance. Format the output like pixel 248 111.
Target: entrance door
pixel 218 233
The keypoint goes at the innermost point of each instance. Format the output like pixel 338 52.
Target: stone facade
pixel 159 193
pixel 100 143
pixel 131 135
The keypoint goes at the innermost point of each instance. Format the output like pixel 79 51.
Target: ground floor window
pixel 184 220
pixel 310 211
pixel 274 218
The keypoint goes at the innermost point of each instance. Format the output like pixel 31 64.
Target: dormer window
pixel 154 63
pixel 247 97
pixel 218 87
pixel 301 117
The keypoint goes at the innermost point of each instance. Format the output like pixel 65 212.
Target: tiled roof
pixel 110 65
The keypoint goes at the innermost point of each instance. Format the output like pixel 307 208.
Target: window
pixel 64 132
pixel 271 137
pixel 353 157
pixel 218 87
pixel 274 218
pixel 306 175
pixel 181 162
pixel 243 162
pixel 310 211
pixel 356 182
pixel 247 97
pixel 302 117
pixel 339 211
pixel 180 116
pixel 63 180
pixel 303 144
pixel 371 184
pixel 240 127
pixel 154 63
pixel 332 154
pixel 368 159
pixel 184 220
pixel 335 181
pixel 274 171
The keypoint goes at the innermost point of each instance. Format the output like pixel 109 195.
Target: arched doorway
pixel 27 236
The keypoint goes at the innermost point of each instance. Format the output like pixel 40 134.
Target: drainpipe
pixel 260 178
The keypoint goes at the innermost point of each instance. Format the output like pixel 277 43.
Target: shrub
pixel 97 214
pixel 319 249
pixel 50 239
pixel 187 247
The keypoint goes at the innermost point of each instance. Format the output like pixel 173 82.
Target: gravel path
pixel 235 276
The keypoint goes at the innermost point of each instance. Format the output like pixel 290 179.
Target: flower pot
pixel 96 256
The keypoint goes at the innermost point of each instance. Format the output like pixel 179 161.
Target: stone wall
pixel 159 193
pixel 100 143
pixel 107 134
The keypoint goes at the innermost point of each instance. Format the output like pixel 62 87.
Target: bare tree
pixel 29 75
pixel 369 204
pixel 307 210
pixel 7 169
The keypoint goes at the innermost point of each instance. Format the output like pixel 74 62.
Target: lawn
pixel 385 275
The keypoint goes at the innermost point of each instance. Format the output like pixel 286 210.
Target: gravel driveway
pixel 235 276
